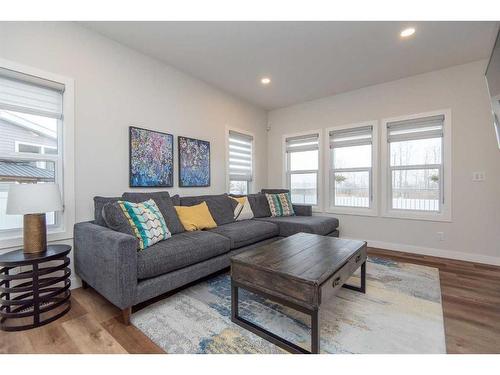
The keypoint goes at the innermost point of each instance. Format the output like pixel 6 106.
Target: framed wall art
pixel 194 162
pixel 151 158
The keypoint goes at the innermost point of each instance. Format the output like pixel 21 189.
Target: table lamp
pixel 33 201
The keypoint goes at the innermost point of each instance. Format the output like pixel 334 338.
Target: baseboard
pixel 456 255
pixel 76 282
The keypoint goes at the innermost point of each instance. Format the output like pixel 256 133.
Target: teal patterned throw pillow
pixel 280 204
pixel 146 222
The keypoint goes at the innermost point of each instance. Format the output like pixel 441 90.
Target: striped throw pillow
pixel 146 222
pixel 280 204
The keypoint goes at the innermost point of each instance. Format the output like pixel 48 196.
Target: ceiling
pixel 305 60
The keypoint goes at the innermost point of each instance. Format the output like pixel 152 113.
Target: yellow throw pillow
pixel 196 217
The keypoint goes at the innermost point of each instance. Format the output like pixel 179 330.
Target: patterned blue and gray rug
pixel 401 313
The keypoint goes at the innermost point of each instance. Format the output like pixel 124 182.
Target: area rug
pixel 400 313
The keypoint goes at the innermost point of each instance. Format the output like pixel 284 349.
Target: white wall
pixel 116 87
pixel 474 233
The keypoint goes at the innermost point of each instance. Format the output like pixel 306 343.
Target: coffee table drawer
pixel 331 286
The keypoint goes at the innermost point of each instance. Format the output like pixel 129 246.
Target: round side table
pixel 37 296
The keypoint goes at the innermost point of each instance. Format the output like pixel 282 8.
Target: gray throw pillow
pixel 115 218
pixel 165 205
pixel 99 203
pixel 259 204
pixel 221 206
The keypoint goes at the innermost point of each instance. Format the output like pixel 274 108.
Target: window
pixel 417 165
pixel 31 116
pixel 240 163
pixel 302 171
pixel 351 173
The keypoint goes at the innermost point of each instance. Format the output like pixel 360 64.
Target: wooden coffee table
pixel 302 272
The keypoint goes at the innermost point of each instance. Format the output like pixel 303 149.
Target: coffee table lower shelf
pixel 272 337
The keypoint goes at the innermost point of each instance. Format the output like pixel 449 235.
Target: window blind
pixel 351 137
pixel 240 156
pixel 420 128
pixel 308 142
pixel 23 93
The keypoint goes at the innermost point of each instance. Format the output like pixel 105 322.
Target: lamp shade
pixel 33 199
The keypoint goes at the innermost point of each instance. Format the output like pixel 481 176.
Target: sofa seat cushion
pixel 246 232
pixel 290 225
pixel 181 250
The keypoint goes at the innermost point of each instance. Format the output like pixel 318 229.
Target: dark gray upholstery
pixel 176 200
pixel 246 232
pixel 165 205
pixel 254 245
pixel 221 206
pixel 99 203
pixel 150 288
pixel 260 206
pixel 274 191
pixel 179 251
pixel 156 286
pixel 335 233
pixel 107 261
pixel 290 225
pixel 115 218
pixel 302 210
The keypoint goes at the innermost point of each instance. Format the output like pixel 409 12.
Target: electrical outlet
pixel 440 236
pixel 478 176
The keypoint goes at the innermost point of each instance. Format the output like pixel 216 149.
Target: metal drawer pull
pixel 336 281
pixel 358 258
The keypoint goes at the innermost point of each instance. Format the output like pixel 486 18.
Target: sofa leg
pixel 85 285
pixel 126 315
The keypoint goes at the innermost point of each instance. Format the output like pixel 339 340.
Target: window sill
pixel 352 211
pixel 16 240
pixel 420 216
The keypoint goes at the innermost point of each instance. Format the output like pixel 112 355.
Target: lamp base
pixel 35 233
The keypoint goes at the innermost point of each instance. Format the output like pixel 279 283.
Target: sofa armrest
pixel 107 261
pixel 302 209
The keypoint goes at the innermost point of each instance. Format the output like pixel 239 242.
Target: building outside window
pixel 240 162
pixel 302 168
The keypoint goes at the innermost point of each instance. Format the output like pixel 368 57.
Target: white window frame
pixel 373 210
pixel 286 176
pixel 250 184
pixel 63 230
pixel 446 164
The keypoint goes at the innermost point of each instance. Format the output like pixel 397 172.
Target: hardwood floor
pixel 471 307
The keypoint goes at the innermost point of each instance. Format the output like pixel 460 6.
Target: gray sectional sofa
pixel 108 260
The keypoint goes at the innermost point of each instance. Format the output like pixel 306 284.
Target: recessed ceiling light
pixel 407 32
pixel 265 80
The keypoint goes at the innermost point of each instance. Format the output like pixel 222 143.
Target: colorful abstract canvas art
pixel 194 162
pixel 151 158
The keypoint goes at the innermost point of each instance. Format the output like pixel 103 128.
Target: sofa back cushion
pixel 221 206
pixel 196 217
pixel 99 203
pixel 259 205
pixel 274 191
pixel 164 202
